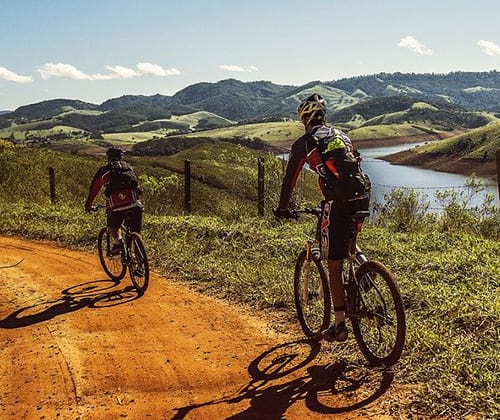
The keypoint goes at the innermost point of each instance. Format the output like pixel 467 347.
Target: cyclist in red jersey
pixel 321 140
pixel 123 195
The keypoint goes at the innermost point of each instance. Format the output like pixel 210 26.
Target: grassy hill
pixel 389 107
pixel 257 135
pixel 473 151
pixel 449 278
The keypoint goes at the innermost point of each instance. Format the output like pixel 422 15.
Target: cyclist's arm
pixel 99 180
pixel 295 163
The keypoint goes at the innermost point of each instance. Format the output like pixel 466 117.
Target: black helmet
pixel 114 153
pixel 312 108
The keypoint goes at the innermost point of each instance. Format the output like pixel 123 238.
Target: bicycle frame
pixel 372 299
pixel 350 281
pixel 351 284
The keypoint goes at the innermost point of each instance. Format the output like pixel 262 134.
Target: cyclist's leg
pixel 114 221
pixel 340 233
pixel 134 219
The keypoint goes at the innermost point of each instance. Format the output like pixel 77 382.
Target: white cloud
pixel 489 48
pixel 120 72
pixel 149 69
pixel 67 71
pixel 10 76
pixel 234 68
pixel 414 45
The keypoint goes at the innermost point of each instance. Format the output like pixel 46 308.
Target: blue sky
pixel 95 50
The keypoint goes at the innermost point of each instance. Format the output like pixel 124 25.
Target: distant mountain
pixel 4 112
pixel 231 98
pixel 51 108
pixel 471 90
pixel 363 98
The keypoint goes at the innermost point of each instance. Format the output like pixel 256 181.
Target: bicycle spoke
pixel 378 321
pixel 112 264
pixel 311 300
pixel 138 264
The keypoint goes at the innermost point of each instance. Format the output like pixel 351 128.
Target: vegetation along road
pixel 82 347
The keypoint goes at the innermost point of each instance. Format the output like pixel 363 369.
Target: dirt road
pixel 75 345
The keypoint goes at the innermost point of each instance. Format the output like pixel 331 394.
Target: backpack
pixel 122 177
pixel 351 187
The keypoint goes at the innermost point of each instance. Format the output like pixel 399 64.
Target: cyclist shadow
pixel 92 294
pixel 327 389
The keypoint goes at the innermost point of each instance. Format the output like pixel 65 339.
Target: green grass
pixel 21 131
pixel 471 145
pixel 449 280
pixel 386 131
pixel 271 132
pixel 133 136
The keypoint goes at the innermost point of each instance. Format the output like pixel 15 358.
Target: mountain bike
pixel 132 255
pixel 373 303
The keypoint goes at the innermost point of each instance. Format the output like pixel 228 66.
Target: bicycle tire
pixel 314 305
pixel 378 321
pixel 112 264
pixel 139 265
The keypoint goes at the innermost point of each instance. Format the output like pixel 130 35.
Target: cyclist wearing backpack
pixel 330 153
pixel 123 195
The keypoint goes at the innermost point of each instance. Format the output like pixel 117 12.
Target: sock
pixel 339 314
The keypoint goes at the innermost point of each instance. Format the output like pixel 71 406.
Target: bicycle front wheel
pixel 112 264
pixel 139 265
pixel 312 294
pixel 378 321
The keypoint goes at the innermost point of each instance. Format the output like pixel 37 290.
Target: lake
pixel 426 182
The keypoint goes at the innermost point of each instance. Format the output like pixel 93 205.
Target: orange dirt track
pixel 75 345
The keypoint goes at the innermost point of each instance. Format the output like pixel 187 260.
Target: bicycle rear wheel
pixel 112 264
pixel 139 265
pixel 312 295
pixel 378 321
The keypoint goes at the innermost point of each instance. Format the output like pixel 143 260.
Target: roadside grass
pixel 449 284
pixel 449 279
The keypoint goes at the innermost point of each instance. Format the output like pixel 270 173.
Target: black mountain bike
pixel 373 302
pixel 132 256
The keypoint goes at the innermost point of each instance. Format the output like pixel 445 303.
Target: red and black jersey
pixel 306 149
pixel 116 200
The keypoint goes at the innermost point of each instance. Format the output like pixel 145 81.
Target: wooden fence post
pixel 498 172
pixel 260 187
pixel 52 185
pixel 187 185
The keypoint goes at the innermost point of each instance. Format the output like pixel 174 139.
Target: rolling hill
pixel 369 107
pixel 473 151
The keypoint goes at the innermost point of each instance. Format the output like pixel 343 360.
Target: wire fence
pixel 445 187
pixel 261 187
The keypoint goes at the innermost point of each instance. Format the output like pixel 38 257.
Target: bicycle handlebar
pixel 95 209
pixel 358 216
pixel 307 210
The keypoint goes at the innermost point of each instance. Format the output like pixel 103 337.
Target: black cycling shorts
pixel 133 215
pixel 336 230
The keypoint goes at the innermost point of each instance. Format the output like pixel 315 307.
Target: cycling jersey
pixel 122 199
pixel 306 150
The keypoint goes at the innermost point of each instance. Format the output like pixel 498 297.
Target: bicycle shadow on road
pixel 332 388
pixel 92 294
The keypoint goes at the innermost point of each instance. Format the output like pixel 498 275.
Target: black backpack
pixel 122 177
pixel 352 187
